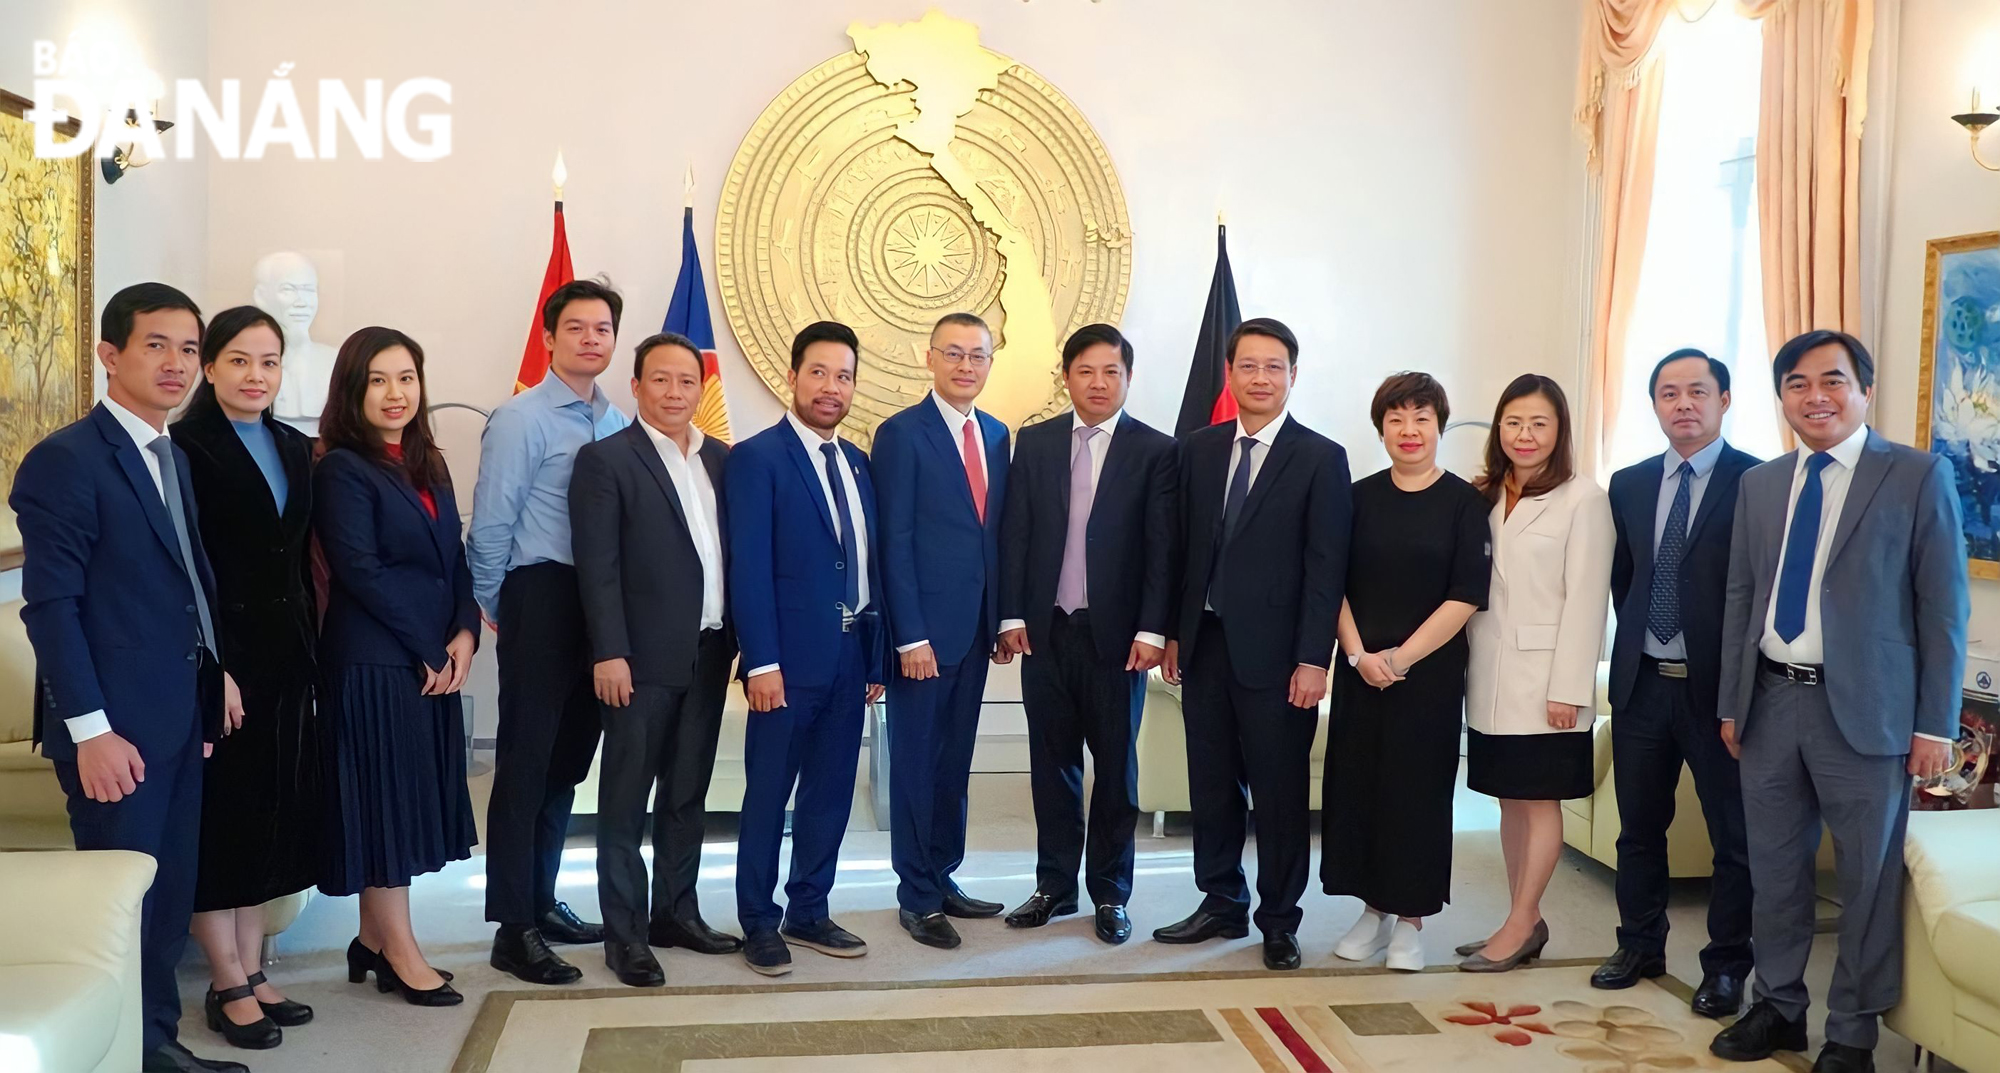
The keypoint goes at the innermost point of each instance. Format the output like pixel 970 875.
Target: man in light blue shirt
pixel 524 577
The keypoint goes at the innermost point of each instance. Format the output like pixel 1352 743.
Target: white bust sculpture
pixel 288 289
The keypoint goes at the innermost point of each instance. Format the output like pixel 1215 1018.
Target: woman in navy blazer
pixel 398 640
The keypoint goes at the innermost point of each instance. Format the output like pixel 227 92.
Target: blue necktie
pixel 1801 546
pixel 1232 509
pixel 1663 618
pixel 847 556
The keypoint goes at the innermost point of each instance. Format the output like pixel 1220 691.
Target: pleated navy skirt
pixel 397 805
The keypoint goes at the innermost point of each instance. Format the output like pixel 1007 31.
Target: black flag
pixel 1206 401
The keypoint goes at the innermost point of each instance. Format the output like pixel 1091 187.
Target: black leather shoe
pixel 1719 995
pixel 694 934
pixel 959 904
pixel 1281 951
pixel 284 1012
pixel 360 960
pixel 1759 1034
pixel 767 953
pixel 1840 1058
pixel 1200 927
pixel 386 981
pixel 171 1057
pixel 931 929
pixel 634 965
pixel 826 937
pixel 562 926
pixel 1039 909
pixel 523 952
pixel 1113 926
pixel 1626 968
pixel 259 1035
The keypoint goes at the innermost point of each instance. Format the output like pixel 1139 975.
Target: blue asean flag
pixel 687 314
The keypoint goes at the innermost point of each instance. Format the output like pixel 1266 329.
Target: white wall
pixel 1935 191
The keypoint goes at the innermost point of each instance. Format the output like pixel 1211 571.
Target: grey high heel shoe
pixel 1468 949
pixel 1530 950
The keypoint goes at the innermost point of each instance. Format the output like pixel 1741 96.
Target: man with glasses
pixel 941 477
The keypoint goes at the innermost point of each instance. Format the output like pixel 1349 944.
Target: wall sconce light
pixel 127 154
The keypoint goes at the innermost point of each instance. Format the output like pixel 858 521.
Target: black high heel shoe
pixel 386 981
pixel 360 959
pixel 259 1035
pixel 285 1012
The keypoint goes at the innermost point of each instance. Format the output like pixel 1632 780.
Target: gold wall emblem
pixel 919 175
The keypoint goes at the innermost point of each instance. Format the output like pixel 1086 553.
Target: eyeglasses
pixel 955 356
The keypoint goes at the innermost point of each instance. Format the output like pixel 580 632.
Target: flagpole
pixel 688 203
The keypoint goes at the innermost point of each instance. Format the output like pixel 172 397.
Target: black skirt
pixel 397 806
pixel 1531 767
pixel 260 792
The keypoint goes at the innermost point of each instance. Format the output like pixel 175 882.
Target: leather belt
pixel 1805 674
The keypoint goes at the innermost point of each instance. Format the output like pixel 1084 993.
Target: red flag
pixel 535 357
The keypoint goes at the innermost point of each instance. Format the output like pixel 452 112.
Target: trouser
pixel 549 724
pixel 664 735
pixel 933 725
pixel 1077 697
pixel 810 744
pixel 1797 770
pixel 1238 738
pixel 162 819
pixel 1651 736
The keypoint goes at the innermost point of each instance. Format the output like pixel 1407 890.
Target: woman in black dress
pixel 1417 569
pixel 398 641
pixel 260 789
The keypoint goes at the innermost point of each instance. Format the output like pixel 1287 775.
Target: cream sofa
pixel 1162 748
pixel 1951 938
pixel 69 985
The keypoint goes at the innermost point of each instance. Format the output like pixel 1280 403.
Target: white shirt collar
pixel 809 436
pixel 1847 452
pixel 1269 433
pixel 1108 426
pixel 953 419
pixel 135 426
pixel 662 440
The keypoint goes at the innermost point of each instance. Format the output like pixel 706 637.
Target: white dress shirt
pixel 1260 449
pixel 812 441
pixel 957 422
pixel 1100 449
pixel 90 724
pixel 697 496
pixel 1809 647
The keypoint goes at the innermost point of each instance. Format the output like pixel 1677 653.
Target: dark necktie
pixel 1801 547
pixel 848 558
pixel 1663 618
pixel 170 490
pixel 1232 510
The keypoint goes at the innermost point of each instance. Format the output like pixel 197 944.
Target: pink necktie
pixel 1072 585
pixel 975 474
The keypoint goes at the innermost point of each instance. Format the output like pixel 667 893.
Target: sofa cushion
pixel 68 1014
pixel 1951 861
pixel 1967 941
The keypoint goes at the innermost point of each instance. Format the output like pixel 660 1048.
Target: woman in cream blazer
pixel 1531 685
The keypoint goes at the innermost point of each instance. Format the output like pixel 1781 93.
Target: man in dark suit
pixel 942 472
pixel 1673 514
pixel 120 610
pixel 1085 548
pixel 649 532
pixel 1265 509
pixel 805 594
pixel 1843 648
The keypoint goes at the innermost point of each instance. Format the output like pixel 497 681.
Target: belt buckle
pixel 846 617
pixel 1672 668
pixel 1805 676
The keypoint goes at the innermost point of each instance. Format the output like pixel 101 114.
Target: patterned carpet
pixel 1366 1020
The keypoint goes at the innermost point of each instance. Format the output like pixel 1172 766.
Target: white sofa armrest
pixel 85 906
pixel 1951 860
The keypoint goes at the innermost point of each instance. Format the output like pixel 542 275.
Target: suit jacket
pixel 1128 540
pixel 636 562
pixel 1287 559
pixel 267 620
pixel 400 589
pixel 109 605
pixel 1893 604
pixel 1635 504
pixel 940 565
pixel 785 574
pixel 1538 639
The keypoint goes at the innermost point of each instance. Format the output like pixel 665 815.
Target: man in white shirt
pixel 1843 647
pixel 648 531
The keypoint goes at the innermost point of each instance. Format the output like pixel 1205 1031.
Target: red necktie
pixel 975 473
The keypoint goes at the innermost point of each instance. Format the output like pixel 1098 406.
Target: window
pixel 1700 283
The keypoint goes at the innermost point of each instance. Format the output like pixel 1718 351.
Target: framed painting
pixel 45 304
pixel 1958 381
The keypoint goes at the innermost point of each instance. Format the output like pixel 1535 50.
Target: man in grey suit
pixel 1843 644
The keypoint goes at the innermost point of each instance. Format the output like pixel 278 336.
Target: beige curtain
pixel 1814 99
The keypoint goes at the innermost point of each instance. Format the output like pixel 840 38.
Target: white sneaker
pixel 1406 948
pixel 1365 939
